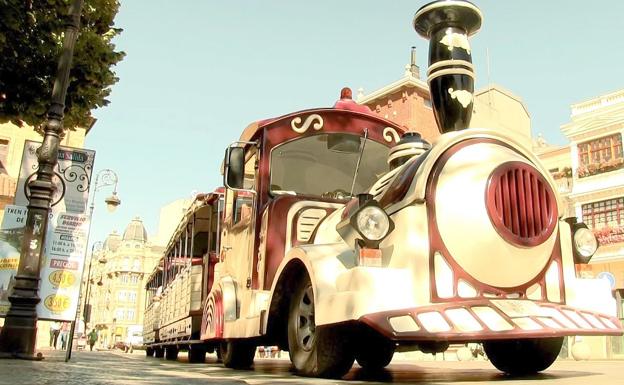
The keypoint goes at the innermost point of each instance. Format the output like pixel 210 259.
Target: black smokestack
pixel 447 25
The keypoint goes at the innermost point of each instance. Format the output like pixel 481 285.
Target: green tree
pixel 31 36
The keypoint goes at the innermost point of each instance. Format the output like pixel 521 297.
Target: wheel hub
pixel 306 326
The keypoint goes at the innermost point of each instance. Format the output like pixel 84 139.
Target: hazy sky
pixel 197 72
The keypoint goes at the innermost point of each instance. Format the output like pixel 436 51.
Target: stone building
pixel 117 284
pixel 597 194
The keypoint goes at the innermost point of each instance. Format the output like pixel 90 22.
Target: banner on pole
pixel 11 235
pixel 61 271
pixel 66 238
pixel 72 176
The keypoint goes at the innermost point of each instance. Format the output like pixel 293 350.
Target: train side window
pixel 243 203
pixel 243 208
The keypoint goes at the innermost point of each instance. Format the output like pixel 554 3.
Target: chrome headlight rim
pixel 348 227
pixel 584 243
pixel 372 213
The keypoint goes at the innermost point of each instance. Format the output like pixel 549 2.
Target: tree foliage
pixel 31 38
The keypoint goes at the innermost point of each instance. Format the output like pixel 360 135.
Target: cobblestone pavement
pixel 115 367
pixel 101 368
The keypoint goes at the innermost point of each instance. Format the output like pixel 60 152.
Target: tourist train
pixel 339 237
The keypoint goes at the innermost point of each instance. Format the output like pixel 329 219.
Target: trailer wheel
pixel 149 352
pixel 523 356
pixel 197 354
pixel 373 351
pixel 159 352
pixel 237 354
pixel 171 353
pixel 316 351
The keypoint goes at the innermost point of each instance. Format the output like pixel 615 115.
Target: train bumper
pixel 488 319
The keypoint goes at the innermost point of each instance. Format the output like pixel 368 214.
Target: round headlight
pixel 585 242
pixel 373 223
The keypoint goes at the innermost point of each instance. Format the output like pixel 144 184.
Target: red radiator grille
pixel 521 204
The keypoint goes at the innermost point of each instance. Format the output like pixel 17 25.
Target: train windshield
pixel 324 165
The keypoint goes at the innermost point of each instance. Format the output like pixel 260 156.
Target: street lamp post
pixel 19 334
pixel 103 178
pixel 86 314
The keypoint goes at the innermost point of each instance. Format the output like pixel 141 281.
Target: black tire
pixel 171 353
pixel 316 351
pixel 237 354
pixel 197 354
pixel 159 352
pixel 523 356
pixel 149 352
pixel 373 351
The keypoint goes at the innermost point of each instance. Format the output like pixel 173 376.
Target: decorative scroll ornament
pixel 390 134
pixel 463 96
pixel 453 39
pixel 309 120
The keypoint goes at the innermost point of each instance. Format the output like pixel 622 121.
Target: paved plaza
pixel 115 367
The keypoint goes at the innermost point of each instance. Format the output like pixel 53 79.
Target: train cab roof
pixel 345 107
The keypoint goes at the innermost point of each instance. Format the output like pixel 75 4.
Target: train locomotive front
pixel 465 240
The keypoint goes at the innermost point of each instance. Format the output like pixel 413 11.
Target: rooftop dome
pixel 135 231
pixel 113 241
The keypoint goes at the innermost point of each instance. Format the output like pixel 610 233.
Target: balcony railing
pixel 610 234
pixel 599 168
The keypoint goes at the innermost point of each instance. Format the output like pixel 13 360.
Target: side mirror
pixel 234 167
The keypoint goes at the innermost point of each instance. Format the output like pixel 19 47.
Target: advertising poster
pixel 72 177
pixel 10 244
pixel 66 239
pixel 61 271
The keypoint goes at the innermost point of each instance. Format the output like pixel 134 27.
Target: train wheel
pixel 197 354
pixel 373 351
pixel 315 352
pixel 237 354
pixel 149 352
pixel 523 356
pixel 171 353
pixel 159 352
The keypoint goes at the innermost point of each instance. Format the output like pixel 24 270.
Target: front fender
pixel 344 291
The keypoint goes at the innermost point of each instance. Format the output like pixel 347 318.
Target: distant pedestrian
pixel 64 334
pixel 92 338
pixel 55 329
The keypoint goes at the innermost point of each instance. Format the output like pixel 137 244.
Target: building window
pixel 132 296
pixel 604 213
pixel 599 155
pixel 136 264
pixel 121 296
pixel 4 152
pixel 123 278
pixel 130 315
pixel 134 279
pixel 119 314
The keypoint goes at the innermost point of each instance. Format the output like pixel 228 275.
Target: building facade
pixel 117 282
pixel 597 195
